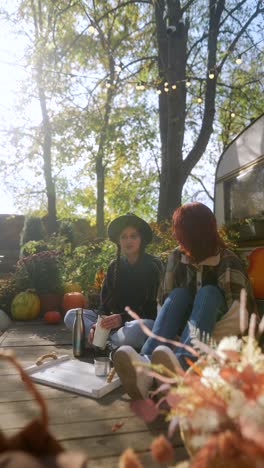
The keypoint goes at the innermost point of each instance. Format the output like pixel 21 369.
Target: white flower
pixel 206 420
pixel 197 441
pixel 253 412
pixel 260 400
pixel 210 377
pixel 231 343
pixel 236 403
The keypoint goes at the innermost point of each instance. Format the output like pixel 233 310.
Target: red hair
pixel 195 229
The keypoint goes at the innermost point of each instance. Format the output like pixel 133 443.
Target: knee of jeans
pixel 209 290
pixel 180 292
pixel 149 323
pixel 69 317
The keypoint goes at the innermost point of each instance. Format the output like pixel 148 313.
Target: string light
pixel 174 86
pixel 211 74
pixel 91 29
pixel 199 100
pixel 158 91
pixel 188 83
pixel 239 60
pixel 166 84
pixel 118 68
pixel 232 115
pixel 166 90
pixel 140 86
pixel 108 84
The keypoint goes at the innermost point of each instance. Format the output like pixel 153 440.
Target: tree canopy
pixel 130 95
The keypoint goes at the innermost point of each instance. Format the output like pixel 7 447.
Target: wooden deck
pixel 80 423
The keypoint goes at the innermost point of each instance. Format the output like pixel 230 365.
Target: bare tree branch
pixel 198 179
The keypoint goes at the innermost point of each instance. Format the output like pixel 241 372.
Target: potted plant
pixel 42 272
pixel 250 228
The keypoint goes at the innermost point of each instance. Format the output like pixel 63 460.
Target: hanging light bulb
pixel 232 115
pixel 211 74
pixel 174 86
pixel 239 60
pixel 138 86
pixel 91 29
pixel 118 68
pixel 108 84
pixel 158 90
pixel 188 83
pixel 166 90
pixel 199 100
pixel 166 84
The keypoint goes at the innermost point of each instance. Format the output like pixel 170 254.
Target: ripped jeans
pixel 181 307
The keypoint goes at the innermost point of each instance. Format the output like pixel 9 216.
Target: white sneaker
pixel 136 384
pixel 165 356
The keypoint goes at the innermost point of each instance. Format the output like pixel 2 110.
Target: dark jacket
pixel 136 286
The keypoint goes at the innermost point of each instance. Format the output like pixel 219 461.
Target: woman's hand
pixel 112 321
pixel 91 335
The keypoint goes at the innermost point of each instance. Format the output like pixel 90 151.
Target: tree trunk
pixel 172 105
pixel 100 183
pixel 172 63
pixel 47 144
pixel 37 12
pixel 100 165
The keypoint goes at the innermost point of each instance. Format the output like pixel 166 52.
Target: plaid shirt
pixel 225 270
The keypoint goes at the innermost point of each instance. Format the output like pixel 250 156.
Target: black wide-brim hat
pixel 117 225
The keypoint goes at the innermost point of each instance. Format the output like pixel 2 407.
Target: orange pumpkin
pixel 73 300
pixel 52 316
pixel 256 271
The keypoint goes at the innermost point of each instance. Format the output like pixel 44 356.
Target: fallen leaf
pixel 117 426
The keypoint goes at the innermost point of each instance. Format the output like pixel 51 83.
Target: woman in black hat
pixel 132 279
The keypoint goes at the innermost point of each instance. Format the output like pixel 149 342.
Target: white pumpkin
pixel 5 321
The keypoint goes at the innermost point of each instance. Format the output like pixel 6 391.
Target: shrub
pixel 33 230
pixel 41 271
pixel 81 266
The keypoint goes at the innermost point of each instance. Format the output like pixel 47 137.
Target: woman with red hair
pixel 202 286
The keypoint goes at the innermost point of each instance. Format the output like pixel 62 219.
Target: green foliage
pixel 40 271
pixel 163 241
pixel 66 230
pixel 230 236
pixel 239 101
pixel 33 230
pixel 8 290
pixel 33 247
pixel 81 266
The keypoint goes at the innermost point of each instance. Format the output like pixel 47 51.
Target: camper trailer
pixel 239 196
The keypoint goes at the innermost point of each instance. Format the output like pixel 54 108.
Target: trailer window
pixel 244 194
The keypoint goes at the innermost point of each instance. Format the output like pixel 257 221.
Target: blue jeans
pixel 181 307
pixel 129 334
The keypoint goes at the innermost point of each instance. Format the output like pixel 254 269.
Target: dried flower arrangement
pixel 218 403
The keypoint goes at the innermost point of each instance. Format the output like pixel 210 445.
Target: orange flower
pixel 227 449
pixel 162 450
pixel 129 459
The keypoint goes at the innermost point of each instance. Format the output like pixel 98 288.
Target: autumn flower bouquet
pixel 218 403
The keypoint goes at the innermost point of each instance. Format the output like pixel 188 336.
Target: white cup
pixel 101 366
pixel 101 334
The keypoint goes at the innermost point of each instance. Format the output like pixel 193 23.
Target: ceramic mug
pixel 101 366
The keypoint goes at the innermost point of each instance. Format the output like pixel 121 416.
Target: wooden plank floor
pixel 80 423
